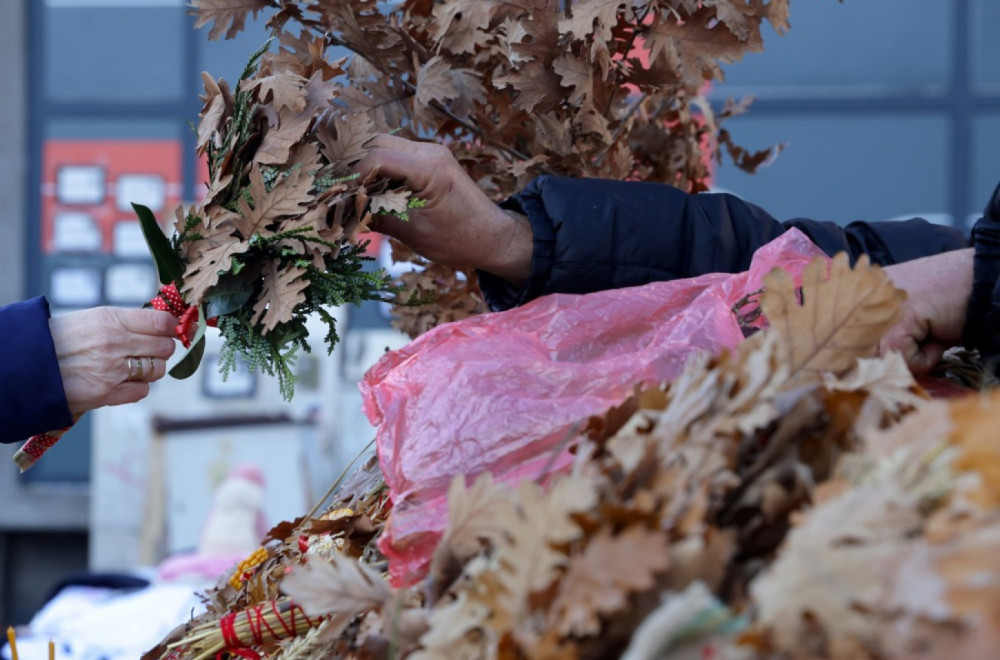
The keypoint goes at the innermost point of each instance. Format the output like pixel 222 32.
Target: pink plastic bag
pixel 500 392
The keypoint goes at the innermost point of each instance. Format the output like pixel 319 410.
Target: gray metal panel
pixel 986 160
pixel 12 148
pixel 109 54
pixel 868 47
pixel 985 20
pixel 845 167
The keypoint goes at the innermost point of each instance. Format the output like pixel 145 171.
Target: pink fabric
pixel 501 392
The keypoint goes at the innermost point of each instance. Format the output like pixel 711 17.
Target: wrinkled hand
pixel 459 225
pixel 93 347
pixel 938 290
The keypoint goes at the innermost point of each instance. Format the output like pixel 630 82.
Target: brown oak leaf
pixel 214 256
pixel 390 201
pixel 841 319
pixel 594 18
pixel 598 581
pixel 282 90
pixel 343 138
pixel 695 47
pixel 461 24
pixel 289 197
pixel 280 292
pixel 226 12
pixel 338 585
pixel 535 524
pixel 577 73
pixel 217 104
pixel 474 515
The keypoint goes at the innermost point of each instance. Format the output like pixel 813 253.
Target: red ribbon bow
pixel 169 300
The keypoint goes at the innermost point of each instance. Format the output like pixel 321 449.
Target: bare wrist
pixel 513 240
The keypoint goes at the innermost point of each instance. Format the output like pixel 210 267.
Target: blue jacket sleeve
pixel 32 399
pixel 593 234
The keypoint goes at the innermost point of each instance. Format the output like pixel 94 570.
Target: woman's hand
pixel 938 290
pixel 100 350
pixel 458 225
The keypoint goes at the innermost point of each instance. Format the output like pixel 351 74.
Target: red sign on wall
pixel 88 187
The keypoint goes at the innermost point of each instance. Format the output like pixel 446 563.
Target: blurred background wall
pixel 887 108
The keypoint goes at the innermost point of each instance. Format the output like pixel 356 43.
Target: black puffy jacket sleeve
pixel 982 324
pixel 595 234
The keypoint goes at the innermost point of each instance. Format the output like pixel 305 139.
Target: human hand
pixel 938 290
pixel 93 347
pixel 458 225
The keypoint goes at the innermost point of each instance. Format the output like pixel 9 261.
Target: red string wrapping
pixel 257 624
pixel 228 627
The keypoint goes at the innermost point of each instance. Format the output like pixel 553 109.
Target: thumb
pixel 925 358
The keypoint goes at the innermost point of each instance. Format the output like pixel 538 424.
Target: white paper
pixel 128 241
pixel 75 232
pixel 146 189
pixel 130 283
pixel 75 287
pixel 80 184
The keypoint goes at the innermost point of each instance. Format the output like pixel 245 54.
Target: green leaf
pixel 189 363
pixel 169 267
pixel 229 295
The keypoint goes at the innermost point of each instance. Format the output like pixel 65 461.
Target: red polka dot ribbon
pixel 169 300
pixel 36 446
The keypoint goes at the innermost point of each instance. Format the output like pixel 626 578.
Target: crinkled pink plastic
pixel 501 392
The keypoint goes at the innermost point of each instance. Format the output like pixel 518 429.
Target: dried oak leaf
pixel 434 81
pixel 834 567
pixel 596 18
pixel 598 581
pixel 974 420
pixel 343 138
pixel 538 521
pixel 696 46
pixel 888 383
pixel 841 319
pixel 474 515
pixel 218 103
pixel 738 17
pixel 226 12
pixel 473 523
pixel 282 290
pixel 536 84
pixel 458 631
pixel 390 201
pixel 282 89
pixel 578 74
pixel 209 258
pixel 317 95
pixel 461 24
pixel 290 196
pixel 340 585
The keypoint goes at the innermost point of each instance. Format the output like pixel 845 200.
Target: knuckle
pixel 439 154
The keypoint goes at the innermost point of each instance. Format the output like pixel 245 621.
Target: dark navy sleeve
pixel 595 234
pixel 32 399
pixel 982 323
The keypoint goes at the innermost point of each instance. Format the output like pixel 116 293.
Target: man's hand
pixel 93 347
pixel 938 290
pixel 458 225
